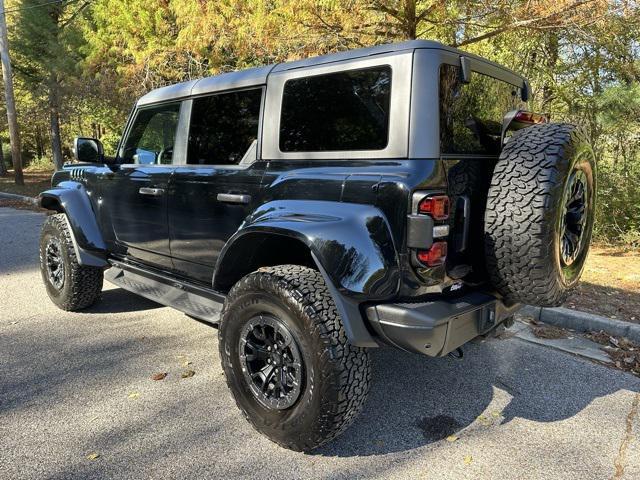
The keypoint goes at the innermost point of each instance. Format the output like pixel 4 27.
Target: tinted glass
pixel 223 127
pixel 471 114
pixel 338 111
pixel 152 135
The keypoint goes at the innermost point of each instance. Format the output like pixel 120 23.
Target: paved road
pixel 67 382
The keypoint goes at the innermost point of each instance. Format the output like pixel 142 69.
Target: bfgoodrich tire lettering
pixel 75 286
pixel 336 375
pixel 528 208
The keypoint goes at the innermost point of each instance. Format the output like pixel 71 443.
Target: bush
pixel 40 163
pixel 618 205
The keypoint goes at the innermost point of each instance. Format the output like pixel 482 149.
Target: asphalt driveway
pixel 78 385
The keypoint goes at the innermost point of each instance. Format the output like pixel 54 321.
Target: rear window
pixel 338 111
pixel 471 114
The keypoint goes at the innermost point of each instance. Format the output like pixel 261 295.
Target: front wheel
pixel 70 286
pixel 287 360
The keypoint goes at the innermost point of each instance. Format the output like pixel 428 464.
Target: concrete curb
pixel 583 322
pixel 24 198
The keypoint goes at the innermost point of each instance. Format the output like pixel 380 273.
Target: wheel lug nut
pixel 269 348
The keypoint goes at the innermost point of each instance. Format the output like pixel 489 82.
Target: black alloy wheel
pixel 54 263
pixel 271 362
pixel 573 220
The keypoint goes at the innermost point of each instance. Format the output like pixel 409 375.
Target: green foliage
pixel 618 204
pixel 582 59
pixel 40 163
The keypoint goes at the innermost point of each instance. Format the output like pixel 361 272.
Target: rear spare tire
pixel 540 214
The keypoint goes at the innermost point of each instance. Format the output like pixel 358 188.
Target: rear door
pixel 135 191
pixel 219 186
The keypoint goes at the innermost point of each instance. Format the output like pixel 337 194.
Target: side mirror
pixel 88 150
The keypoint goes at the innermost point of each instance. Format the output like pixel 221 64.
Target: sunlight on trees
pixel 80 65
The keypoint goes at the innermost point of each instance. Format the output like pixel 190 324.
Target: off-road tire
pixel 82 284
pixel 526 214
pixel 336 374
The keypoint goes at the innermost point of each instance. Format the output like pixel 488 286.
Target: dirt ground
pixel 35 181
pixel 610 284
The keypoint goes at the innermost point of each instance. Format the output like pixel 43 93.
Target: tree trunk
pixel 411 25
pixel 54 122
pixel 3 168
pixel 12 116
pixel 39 146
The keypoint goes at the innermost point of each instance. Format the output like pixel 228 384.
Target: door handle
pixel 155 192
pixel 234 198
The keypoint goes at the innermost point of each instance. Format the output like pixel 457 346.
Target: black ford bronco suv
pixel 397 195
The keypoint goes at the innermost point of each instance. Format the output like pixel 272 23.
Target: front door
pixel 135 191
pixel 218 187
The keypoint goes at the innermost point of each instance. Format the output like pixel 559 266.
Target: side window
pixel 224 128
pixel 338 111
pixel 471 114
pixel 152 136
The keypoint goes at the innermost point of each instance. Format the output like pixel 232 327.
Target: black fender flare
pixel 350 243
pixel 71 198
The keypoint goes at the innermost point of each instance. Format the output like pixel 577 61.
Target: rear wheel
pixel 70 286
pixel 286 357
pixel 540 214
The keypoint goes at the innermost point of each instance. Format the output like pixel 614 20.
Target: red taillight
pixel 436 255
pixel 529 117
pixel 436 206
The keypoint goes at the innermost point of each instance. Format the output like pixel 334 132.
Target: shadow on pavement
pixel 119 300
pixel 416 400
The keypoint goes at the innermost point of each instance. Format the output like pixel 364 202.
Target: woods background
pixel 80 65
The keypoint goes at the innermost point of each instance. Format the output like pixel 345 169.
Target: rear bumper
pixel 438 327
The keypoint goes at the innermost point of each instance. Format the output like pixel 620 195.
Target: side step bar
pixel 198 302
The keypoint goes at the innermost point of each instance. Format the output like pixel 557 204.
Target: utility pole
pixel 12 116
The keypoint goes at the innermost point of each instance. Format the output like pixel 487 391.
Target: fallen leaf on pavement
pixel 93 456
pixel 186 363
pixel 188 374
pixel 452 438
pixel 134 394
pixel 484 420
pixel 468 459
pixel 159 376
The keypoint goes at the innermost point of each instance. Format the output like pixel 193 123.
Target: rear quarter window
pixel 337 111
pixel 471 114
